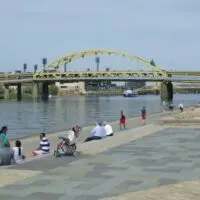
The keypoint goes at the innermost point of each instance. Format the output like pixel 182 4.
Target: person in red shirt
pixel 143 115
pixel 122 120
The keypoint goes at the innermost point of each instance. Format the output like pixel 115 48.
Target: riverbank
pixel 14 96
pixel 32 142
pixel 28 117
pixel 114 123
pixel 187 118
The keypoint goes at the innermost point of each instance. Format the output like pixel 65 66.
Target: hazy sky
pixel 166 30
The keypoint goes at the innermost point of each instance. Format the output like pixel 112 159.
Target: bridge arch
pixel 71 57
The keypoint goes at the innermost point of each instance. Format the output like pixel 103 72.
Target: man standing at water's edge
pixel 122 121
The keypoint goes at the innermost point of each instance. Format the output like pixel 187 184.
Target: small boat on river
pixel 130 93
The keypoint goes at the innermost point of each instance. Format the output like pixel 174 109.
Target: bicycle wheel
pixel 76 153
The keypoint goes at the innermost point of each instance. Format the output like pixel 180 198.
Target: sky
pixel 165 30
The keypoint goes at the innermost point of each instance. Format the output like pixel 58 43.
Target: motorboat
pixel 130 93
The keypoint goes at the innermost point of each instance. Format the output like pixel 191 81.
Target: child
pixel 18 152
pixel 143 115
pixel 181 107
pixel 122 120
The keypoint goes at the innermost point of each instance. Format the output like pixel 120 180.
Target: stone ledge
pixel 121 138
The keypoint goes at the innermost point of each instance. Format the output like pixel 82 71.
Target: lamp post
pixel 97 61
pixel 65 67
pixel 35 68
pixel 24 67
pixel 44 62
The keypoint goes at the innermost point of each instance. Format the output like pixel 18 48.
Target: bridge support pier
pixel 6 92
pixel 35 90
pixel 166 91
pixel 19 91
pixel 45 91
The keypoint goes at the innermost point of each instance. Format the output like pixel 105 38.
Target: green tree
pixel 1 90
pixel 27 90
pixel 53 90
pixel 152 62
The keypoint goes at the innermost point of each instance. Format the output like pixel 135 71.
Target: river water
pixel 26 118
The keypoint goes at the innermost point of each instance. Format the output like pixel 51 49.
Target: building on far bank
pixel 70 88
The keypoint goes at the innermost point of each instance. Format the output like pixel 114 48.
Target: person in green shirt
pixel 4 142
pixel 6 152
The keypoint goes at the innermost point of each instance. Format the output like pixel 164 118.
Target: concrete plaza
pixel 164 162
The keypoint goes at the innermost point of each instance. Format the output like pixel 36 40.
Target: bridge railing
pixel 109 75
pixel 96 74
pixel 80 74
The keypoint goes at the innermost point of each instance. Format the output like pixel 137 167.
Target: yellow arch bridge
pixel 82 54
pixel 50 70
pixel 154 73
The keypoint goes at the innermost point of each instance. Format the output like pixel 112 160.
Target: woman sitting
pixel 18 152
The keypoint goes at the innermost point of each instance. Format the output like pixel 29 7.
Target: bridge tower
pixel 6 92
pixel 166 91
pixel 45 91
pixel 42 88
pixel 19 91
pixel 35 90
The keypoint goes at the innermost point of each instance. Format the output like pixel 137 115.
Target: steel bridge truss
pixel 108 74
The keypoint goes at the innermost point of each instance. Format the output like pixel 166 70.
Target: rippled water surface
pixel 28 117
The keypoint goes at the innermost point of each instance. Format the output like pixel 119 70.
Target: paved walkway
pixel 157 165
pixel 169 156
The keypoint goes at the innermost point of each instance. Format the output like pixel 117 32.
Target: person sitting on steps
pixel 44 147
pixel 6 152
pixel 108 128
pixel 98 133
pixel 18 152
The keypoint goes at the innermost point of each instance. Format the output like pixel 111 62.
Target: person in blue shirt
pixel 4 142
pixel 6 153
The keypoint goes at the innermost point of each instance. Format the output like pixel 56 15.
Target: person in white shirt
pixel 108 128
pixel 72 134
pixel 98 132
pixel 69 140
pixel 18 152
pixel 181 107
